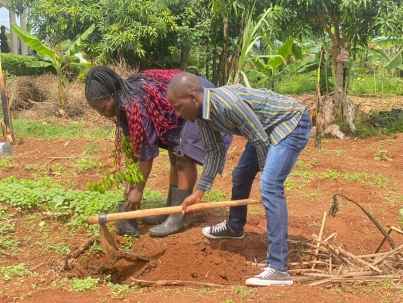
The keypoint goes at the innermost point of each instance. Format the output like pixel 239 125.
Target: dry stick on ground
pixel 57 158
pixel 383 241
pixel 338 250
pixel 177 283
pixel 393 251
pixel 334 209
pixel 319 238
pixel 75 254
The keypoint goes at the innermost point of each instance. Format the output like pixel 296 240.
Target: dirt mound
pixel 38 98
pixel 24 91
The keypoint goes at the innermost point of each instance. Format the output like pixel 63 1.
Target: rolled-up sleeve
pixel 215 154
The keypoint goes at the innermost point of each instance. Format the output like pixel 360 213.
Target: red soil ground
pixel 190 257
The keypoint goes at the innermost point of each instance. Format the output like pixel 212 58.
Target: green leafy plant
pixel 84 284
pixel 117 177
pixel 9 272
pixel 84 164
pixel 330 174
pixel 381 156
pixel 6 162
pixel 56 208
pixel 25 194
pixel 50 57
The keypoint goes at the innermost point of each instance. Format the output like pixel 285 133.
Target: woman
pixel 139 107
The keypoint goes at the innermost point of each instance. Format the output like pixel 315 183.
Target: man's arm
pixel 214 147
pixel 215 155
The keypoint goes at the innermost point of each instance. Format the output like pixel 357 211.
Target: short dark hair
pixel 184 83
pixel 2 27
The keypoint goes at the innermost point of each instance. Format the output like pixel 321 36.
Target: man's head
pixel 3 28
pixel 185 94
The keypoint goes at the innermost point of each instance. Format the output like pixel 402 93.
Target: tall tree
pixel 345 21
pixel 124 28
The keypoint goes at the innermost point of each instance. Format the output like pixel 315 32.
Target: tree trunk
pixel 340 55
pixel 61 90
pixel 216 71
pixel 235 59
pixel 225 52
pixel 185 58
pixel 7 126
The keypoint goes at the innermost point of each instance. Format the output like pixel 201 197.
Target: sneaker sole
pixel 207 235
pixel 258 282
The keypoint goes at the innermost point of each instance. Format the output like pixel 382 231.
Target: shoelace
pixel 266 272
pixel 219 227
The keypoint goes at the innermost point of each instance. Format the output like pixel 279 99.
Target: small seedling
pixel 13 271
pixel 381 156
pixel 85 284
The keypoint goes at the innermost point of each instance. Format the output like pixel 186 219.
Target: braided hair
pixel 147 87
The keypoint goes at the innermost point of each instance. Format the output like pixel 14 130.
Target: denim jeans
pixel 280 161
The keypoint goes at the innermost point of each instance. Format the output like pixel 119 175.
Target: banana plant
pixel 250 37
pixel 50 57
pixel 266 66
pixel 387 43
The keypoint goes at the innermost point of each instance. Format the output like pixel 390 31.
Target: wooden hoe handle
pixel 166 210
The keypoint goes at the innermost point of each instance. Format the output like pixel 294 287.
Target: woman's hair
pixel 147 87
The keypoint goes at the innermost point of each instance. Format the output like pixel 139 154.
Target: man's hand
pixel 133 198
pixel 195 197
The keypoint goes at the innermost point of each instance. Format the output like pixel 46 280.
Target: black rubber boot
pixel 154 220
pixel 126 227
pixel 175 222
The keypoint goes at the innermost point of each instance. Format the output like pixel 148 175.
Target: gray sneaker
pixel 221 231
pixel 270 276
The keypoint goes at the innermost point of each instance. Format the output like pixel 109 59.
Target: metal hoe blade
pixel 106 239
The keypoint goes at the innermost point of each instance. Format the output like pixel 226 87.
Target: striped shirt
pixel 261 116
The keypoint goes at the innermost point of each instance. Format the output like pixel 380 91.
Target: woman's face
pixel 106 107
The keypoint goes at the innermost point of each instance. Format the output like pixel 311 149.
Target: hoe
pixel 107 240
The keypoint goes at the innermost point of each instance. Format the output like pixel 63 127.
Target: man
pixel 142 113
pixel 3 39
pixel 277 129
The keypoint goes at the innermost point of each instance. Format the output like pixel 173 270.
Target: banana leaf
pixel 78 44
pixel 397 61
pixel 33 41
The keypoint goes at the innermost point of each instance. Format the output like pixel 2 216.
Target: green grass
pixel 24 128
pixel 382 84
pixel 296 84
pixel 360 84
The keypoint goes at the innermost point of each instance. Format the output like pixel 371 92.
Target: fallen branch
pixel 75 254
pixel 392 252
pixel 5 253
pixel 350 255
pixel 334 209
pixel 57 158
pixel 177 283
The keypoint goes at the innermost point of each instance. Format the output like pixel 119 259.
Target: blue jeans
pixel 280 161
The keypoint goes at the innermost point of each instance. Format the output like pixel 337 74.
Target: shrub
pixel 16 65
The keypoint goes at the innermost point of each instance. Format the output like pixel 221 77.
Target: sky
pixel 5 18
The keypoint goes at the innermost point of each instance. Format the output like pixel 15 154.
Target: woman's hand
pixel 133 199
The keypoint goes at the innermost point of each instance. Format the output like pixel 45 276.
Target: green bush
pixel 16 65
